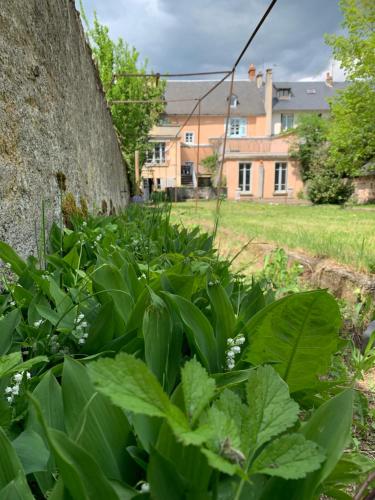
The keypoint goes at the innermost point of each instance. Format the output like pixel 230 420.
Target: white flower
pixel 8 390
pixel 230 364
pixel 80 317
pixel 236 349
pixel 7 265
pixel 99 237
pixel 145 487
pixel 84 223
pixel 81 341
pixel 230 341
pixel 230 354
pixel 12 303
pixel 28 375
pixel 15 390
pixel 18 377
pixel 85 335
pixel 83 324
pixel 38 323
pixel 240 340
pixel 10 399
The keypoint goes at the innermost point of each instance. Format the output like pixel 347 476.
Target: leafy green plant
pixel 137 363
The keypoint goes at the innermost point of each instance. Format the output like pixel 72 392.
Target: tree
pixel 352 131
pixel 311 135
pixel 134 121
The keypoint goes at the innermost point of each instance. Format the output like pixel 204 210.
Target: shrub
pixel 326 188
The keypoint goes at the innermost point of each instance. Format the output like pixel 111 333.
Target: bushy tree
pixel 352 131
pixel 311 135
pixel 132 121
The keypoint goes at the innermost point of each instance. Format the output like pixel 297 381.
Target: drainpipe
pixel 268 101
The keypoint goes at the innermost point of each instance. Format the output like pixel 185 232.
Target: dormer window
pixel 283 93
pixel 233 101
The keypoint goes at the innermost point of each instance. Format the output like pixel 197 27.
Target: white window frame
pixel 279 186
pixel 284 93
pixel 241 182
pixel 157 155
pixel 192 141
pixel 237 127
pixel 287 116
pixel 233 101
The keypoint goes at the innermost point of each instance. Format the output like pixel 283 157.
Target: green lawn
pixel 345 235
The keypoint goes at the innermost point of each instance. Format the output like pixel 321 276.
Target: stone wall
pixel 364 188
pixel 53 118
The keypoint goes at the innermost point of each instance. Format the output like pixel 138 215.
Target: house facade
pixel 257 161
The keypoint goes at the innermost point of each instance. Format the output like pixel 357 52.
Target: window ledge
pixel 246 193
pixel 280 193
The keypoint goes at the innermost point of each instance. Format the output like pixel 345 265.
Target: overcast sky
pixel 206 35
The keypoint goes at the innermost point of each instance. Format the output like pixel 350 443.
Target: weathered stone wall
pixel 53 118
pixel 364 188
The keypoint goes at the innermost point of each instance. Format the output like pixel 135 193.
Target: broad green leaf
pixel 231 405
pixel 107 278
pixel 93 422
pixel 220 463
pixel 271 410
pixel 231 378
pixel 8 325
pixel 49 396
pixel 31 451
pixel 82 475
pixel 252 302
pixel 47 313
pixel 157 334
pixel 17 489
pixel 103 329
pixel 12 363
pixel 11 469
pixel 199 331
pixel 224 318
pixel 165 482
pixel 224 433
pixel 290 456
pixel 7 254
pixel 198 388
pixel 353 467
pixel 298 334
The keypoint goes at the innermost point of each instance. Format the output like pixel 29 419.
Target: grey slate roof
pixel 301 99
pixel 250 98
pixel 250 101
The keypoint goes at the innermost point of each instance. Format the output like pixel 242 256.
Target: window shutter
pixel 243 127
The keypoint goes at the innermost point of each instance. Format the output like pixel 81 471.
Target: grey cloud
pixel 202 35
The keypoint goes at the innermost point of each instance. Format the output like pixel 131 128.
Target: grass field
pixel 345 235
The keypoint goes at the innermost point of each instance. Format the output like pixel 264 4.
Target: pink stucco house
pixel 257 160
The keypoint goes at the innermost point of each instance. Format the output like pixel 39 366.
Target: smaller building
pixel 257 161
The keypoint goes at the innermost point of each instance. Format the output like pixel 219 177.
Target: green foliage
pixel 352 132
pixel 324 187
pixel 132 121
pixel 136 359
pixel 311 133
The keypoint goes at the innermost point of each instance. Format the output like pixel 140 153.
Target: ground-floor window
pixel 158 183
pixel 244 177
pixel 281 170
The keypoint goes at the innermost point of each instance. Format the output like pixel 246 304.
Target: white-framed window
pixel 233 101
pixel 283 93
pixel 237 127
pixel 287 121
pixel 281 177
pixel 244 177
pixel 157 155
pixel 189 137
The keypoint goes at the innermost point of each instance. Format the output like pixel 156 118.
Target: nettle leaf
pixel 298 334
pixel 290 457
pixel 130 385
pixel 198 388
pixel 271 410
pixel 12 363
pixel 230 404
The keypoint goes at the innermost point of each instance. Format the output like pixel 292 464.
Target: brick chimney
pixel 251 72
pixel 259 79
pixel 329 79
pixel 268 101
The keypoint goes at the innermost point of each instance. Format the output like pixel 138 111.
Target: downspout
pixel 268 102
